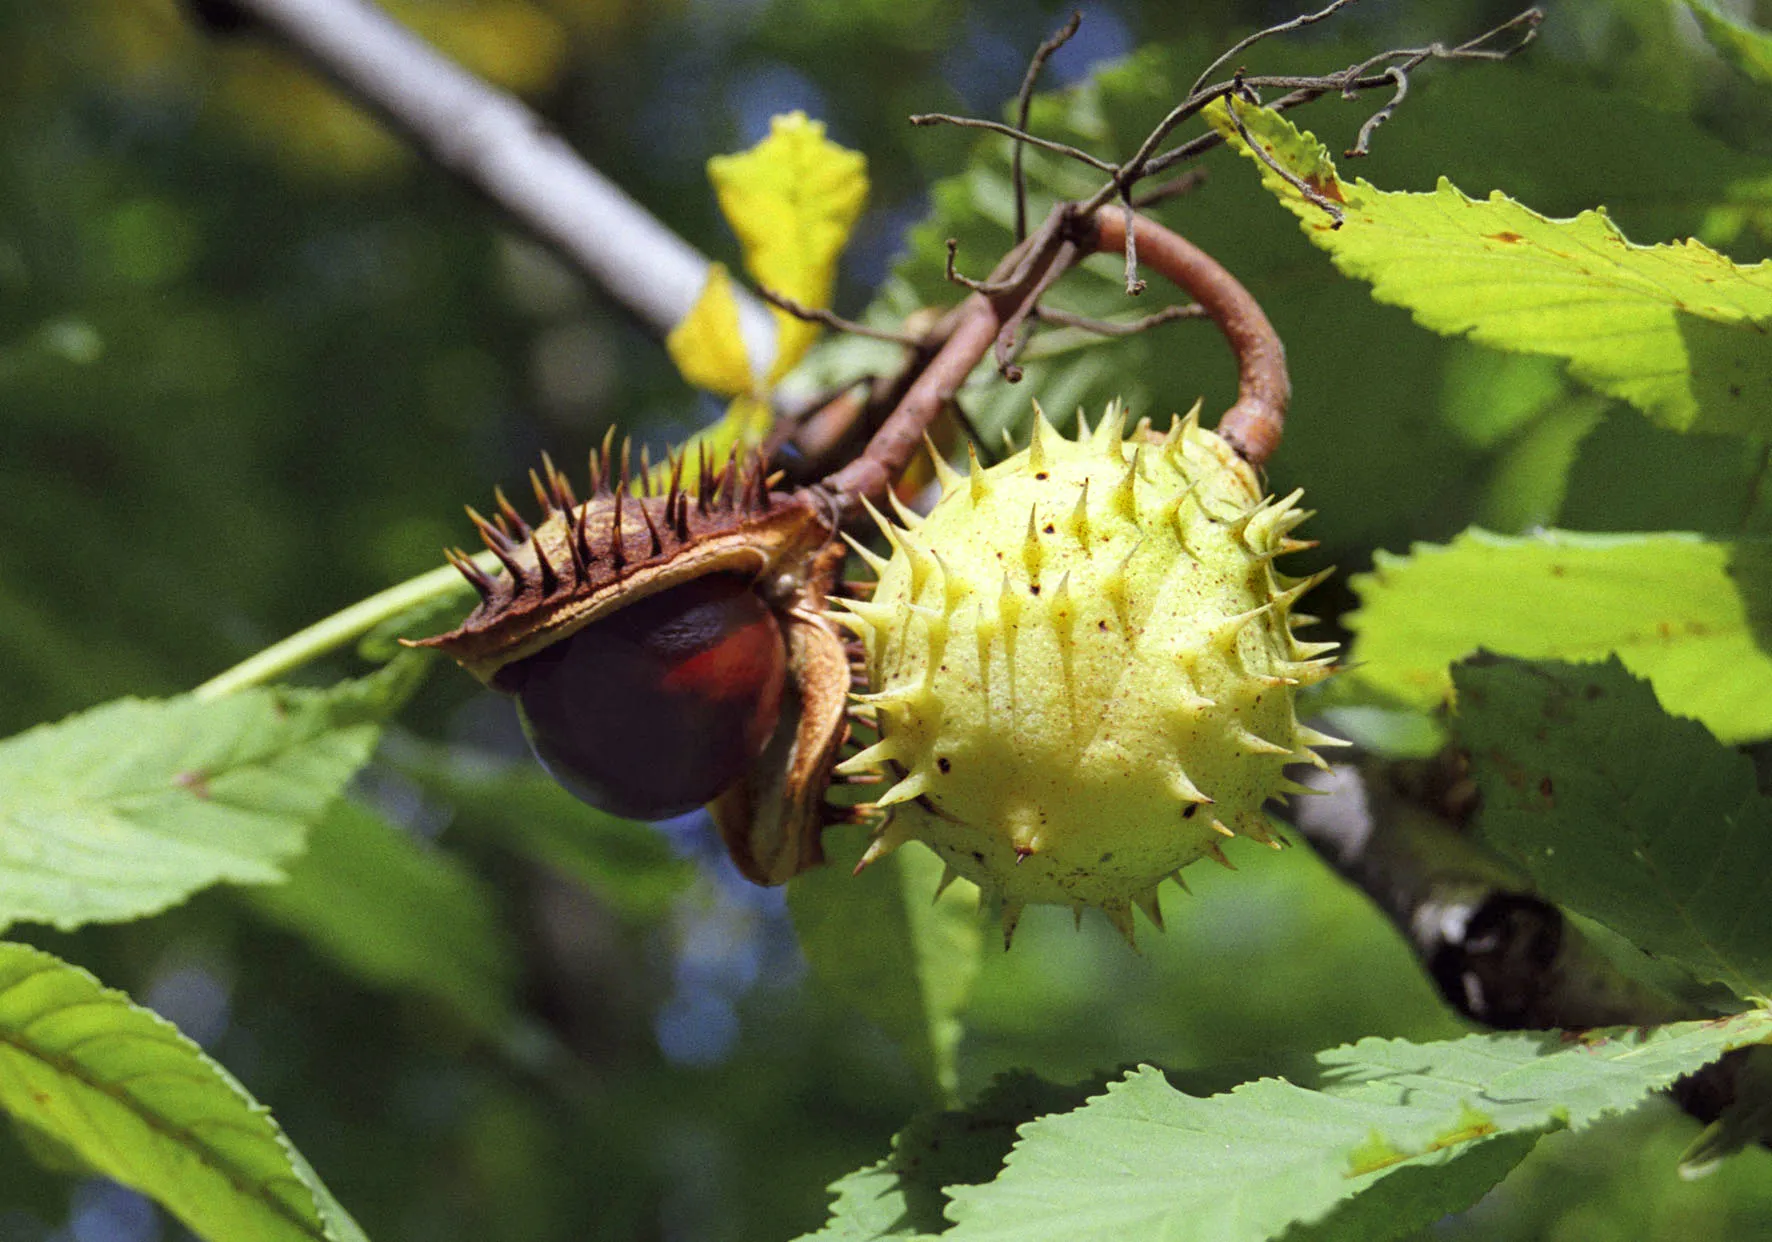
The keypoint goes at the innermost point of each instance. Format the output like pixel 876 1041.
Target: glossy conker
pixel 657 708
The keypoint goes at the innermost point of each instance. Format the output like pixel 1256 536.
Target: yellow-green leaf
pixel 130 807
pixel 134 1099
pixel 1619 314
pixel 1668 605
pixel 708 346
pixel 792 199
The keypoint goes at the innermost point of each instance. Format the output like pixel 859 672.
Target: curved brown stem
pixel 1253 424
pixel 967 334
pixel 975 325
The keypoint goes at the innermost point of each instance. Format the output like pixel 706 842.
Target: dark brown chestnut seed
pixel 658 707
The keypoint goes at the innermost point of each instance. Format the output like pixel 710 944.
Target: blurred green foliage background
pixel 254 356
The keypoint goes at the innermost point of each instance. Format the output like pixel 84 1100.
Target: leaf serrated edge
pixel 185 1139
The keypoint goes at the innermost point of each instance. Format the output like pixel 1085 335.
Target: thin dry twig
pixel 1175 187
pixel 1024 99
pixel 1297 23
pixel 1310 193
pixel 1254 422
pixel 1134 286
pixel 1016 268
pixel 1022 138
pixel 992 319
pixel 1007 344
pixel 834 321
pixel 989 288
pixel 1110 327
pixel 1354 79
pixel 1146 162
pixel 1362 141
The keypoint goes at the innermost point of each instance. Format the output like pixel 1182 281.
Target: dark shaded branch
pixel 501 148
pixel 1109 327
pixel 1500 954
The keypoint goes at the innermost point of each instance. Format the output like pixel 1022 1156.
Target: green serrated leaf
pixel 1746 47
pixel 139 1102
pixel 1664 603
pixel 129 808
pixel 1415 1197
pixel 397 914
pixel 905 1196
pixel 1513 279
pixel 886 944
pixel 867 1204
pixel 1148 1161
pixel 1631 816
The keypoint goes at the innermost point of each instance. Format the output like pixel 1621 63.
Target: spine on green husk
pixel 1083 666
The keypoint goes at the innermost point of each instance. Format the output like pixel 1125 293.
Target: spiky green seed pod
pixel 1084 667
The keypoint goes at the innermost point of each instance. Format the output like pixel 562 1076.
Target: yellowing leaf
pixel 1621 315
pixel 707 346
pixel 792 199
